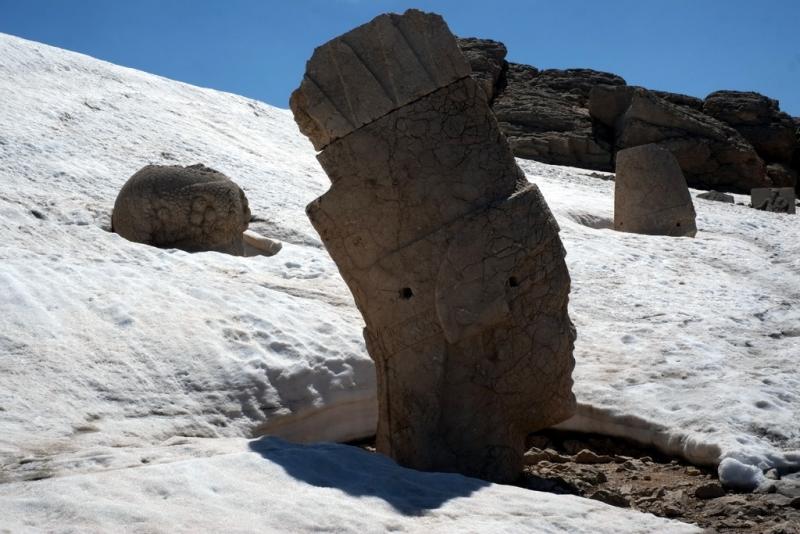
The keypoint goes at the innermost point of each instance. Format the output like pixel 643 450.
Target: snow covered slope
pixel 107 342
pixel 110 351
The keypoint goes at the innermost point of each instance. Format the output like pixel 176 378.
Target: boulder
pixel 192 208
pixel 650 194
pixel 710 153
pixel 453 259
pixel 544 116
pixel 775 199
pixel 487 59
pixel 759 120
pixel 716 196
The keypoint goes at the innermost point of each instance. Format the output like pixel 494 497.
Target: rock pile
pixel 650 194
pixel 453 259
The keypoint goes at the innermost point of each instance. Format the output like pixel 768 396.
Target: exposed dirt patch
pixel 621 473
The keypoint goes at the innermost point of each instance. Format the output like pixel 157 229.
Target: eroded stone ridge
pixel 455 263
pixel 395 59
pixel 651 195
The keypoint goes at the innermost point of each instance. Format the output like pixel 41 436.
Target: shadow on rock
pixel 364 474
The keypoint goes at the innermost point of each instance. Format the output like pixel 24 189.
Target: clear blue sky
pixel 259 48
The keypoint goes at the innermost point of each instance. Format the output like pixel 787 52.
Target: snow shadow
pixel 365 474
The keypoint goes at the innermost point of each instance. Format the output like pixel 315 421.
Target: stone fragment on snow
pixel 650 194
pixel 716 196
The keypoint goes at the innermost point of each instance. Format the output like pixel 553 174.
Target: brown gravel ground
pixel 621 473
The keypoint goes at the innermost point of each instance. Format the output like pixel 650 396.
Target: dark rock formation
pixel 681 100
pixel 716 196
pixel 554 116
pixel 710 153
pixel 453 259
pixel 759 120
pixel 544 116
pixel 488 61
pixel 650 194
pixel 192 208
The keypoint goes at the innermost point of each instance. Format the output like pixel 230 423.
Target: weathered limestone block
pixel 775 199
pixel 455 263
pixel 192 208
pixel 650 193
pixel 395 59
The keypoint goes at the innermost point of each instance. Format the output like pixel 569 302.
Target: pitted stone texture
pixel 192 208
pixel 775 199
pixel 455 263
pixel 372 70
pixel 650 194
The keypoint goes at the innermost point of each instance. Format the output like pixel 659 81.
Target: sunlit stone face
pixel 453 259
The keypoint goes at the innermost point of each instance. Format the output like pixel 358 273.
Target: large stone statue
pixel 453 259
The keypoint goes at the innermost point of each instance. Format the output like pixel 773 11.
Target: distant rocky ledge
pixel 730 141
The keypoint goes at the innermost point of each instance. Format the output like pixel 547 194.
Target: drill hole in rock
pixel 406 293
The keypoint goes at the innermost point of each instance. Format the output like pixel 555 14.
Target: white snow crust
pixel 130 376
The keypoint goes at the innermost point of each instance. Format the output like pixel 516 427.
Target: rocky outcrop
pixel 710 153
pixel 453 259
pixel 733 141
pixel 544 116
pixel 716 196
pixel 650 194
pixel 759 120
pixel 192 208
pixel 487 59
pixel 678 99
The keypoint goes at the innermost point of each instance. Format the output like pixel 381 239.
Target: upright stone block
pixel 393 60
pixel 775 199
pixel 455 263
pixel 651 195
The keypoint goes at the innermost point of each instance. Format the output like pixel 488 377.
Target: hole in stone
pixel 513 282
pixel 406 293
pixel 678 225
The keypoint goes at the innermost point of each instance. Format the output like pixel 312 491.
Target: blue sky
pixel 259 48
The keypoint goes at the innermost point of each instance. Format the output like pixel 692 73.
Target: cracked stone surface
pixel 455 263
pixel 775 199
pixel 192 208
pixel 651 195
pixel 395 59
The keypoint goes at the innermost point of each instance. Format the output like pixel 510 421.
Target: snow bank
pixel 104 342
pixel 232 485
